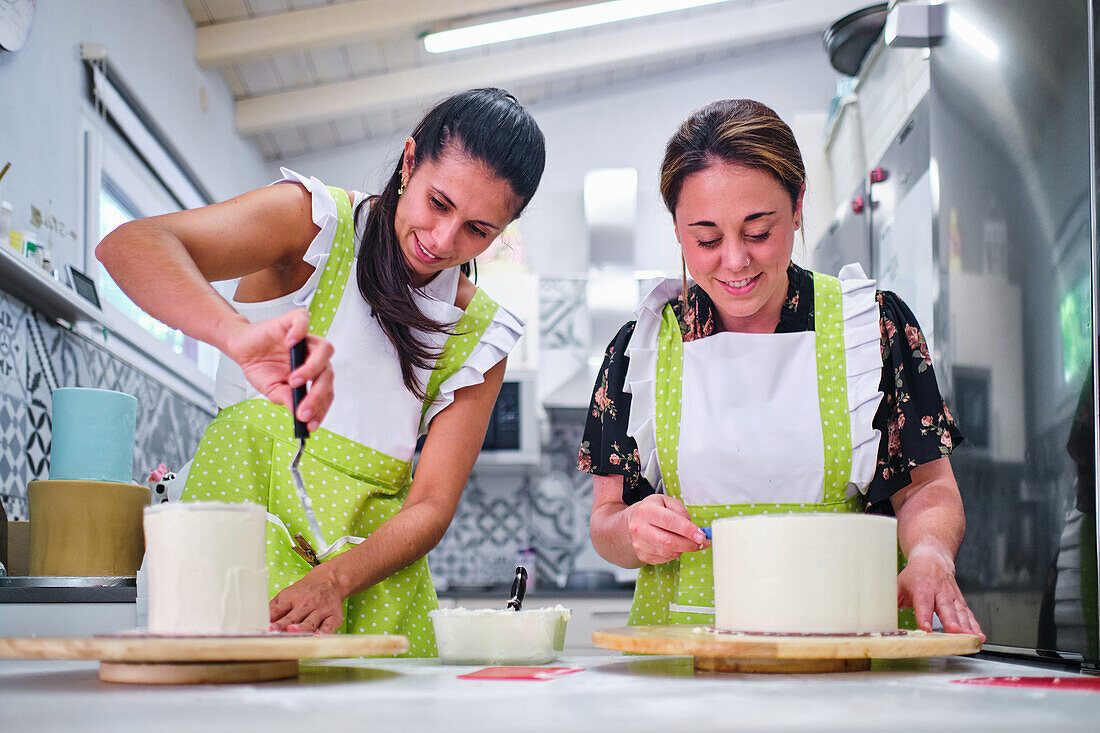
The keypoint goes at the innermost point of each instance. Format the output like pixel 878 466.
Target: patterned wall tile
pixel 43 356
pixel 13 349
pixel 489 528
pixel 563 313
pixel 544 507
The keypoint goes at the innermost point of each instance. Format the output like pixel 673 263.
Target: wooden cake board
pixel 135 657
pixel 744 652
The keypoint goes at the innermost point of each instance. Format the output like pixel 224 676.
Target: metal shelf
pixel 36 288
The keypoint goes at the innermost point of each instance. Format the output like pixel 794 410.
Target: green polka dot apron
pixel 245 455
pixel 747 424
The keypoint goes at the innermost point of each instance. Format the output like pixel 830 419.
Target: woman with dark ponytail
pixel 378 287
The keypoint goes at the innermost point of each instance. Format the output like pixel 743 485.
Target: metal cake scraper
pixel 301 432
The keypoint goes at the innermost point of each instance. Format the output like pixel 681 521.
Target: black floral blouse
pixel 912 417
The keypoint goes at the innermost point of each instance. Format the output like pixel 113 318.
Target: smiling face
pixel 736 227
pixel 450 212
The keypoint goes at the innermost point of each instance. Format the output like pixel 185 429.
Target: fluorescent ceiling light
pixel 553 22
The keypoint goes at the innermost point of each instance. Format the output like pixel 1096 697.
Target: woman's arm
pixel 165 265
pixel 650 532
pixel 930 530
pixel 315 603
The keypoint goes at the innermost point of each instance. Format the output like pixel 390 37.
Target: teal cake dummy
pixel 93 435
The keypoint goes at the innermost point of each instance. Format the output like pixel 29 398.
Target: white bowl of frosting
pixel 499 636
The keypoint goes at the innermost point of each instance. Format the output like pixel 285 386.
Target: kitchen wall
pixel 42 98
pixel 152 45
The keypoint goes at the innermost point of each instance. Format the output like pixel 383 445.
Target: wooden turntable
pixel 146 659
pixel 720 651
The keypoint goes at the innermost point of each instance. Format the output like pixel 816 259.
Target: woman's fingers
pixel 309 624
pixel 968 624
pixel 923 606
pixel 330 625
pixel 296 324
pixel 281 612
pixel 317 370
pixel 661 530
pixel 263 351
pixel 657 546
pixel 949 615
pixel 929 589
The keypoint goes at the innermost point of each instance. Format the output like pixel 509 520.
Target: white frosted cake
pixel 207 568
pixel 806 573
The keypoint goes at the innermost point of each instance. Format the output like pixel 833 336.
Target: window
pixel 121 187
pixel 132 171
pixel 113 212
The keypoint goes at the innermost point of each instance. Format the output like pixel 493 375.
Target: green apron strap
pixel 670 370
pixel 322 308
pixel 460 344
pixel 832 386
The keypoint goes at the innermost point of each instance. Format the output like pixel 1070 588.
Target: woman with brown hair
pixel 401 344
pixel 708 404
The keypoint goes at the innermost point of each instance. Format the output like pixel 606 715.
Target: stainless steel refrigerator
pixel 982 214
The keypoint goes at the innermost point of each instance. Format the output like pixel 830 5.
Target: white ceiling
pixel 313 74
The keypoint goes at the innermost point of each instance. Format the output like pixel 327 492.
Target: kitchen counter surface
pixel 612 693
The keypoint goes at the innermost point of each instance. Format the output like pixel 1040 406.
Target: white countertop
pixel 613 693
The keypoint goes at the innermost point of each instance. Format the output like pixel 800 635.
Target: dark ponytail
pixel 489 126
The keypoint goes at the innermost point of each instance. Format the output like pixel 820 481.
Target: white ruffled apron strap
pixel 682 590
pixel 469 329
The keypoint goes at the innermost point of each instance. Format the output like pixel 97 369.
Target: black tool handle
pixel 297 358
pixel 519 587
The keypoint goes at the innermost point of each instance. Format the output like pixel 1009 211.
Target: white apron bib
pixel 755 423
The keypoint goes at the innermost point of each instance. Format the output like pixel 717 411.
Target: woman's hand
pixel 263 351
pixel 928 584
pixel 313 604
pixel 661 529
pixel 930 529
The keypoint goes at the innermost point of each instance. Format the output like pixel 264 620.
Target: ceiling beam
pixel 224 44
pixel 742 26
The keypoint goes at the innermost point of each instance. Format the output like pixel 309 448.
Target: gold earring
pixel 401 188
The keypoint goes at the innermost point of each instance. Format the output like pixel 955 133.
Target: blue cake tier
pixel 93 435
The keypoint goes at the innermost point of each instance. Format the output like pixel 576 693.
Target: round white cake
pixel 806 573
pixel 207 568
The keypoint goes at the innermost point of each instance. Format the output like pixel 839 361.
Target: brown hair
pixel 738 131
pixel 488 125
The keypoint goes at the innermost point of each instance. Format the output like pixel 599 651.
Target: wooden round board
pixel 148 659
pixel 743 652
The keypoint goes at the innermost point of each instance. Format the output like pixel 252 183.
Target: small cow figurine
pixel 159 477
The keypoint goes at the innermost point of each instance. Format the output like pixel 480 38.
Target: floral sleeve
pixel 913 418
pixel 606 449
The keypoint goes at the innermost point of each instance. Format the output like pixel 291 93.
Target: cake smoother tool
pixel 519 587
pixel 301 432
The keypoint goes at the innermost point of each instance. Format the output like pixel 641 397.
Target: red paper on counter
pixel 1046 683
pixel 519 673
